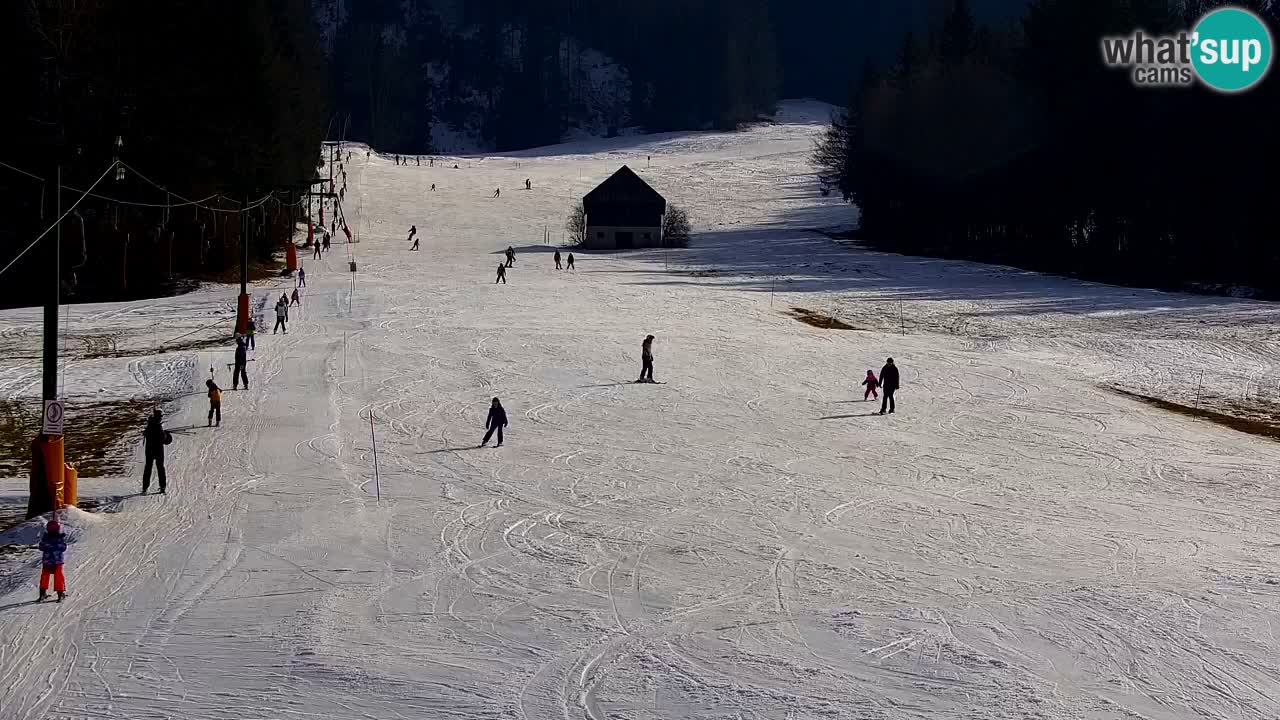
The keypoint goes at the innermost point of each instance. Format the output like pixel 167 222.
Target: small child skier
pixel 215 400
pixel 872 383
pixel 249 333
pixel 52 547
pixel 297 299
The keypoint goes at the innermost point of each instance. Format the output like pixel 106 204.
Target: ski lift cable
pixel 55 224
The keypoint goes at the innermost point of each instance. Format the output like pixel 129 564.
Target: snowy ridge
pixel 748 540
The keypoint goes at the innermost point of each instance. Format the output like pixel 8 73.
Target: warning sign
pixel 53 417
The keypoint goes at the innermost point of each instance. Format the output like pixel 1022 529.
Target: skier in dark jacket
pixel 557 259
pixel 511 256
pixel 242 363
pixel 302 277
pixel 496 421
pixel 889 383
pixel 570 265
pixel 646 360
pixel 155 437
pixel 53 548
pixel 502 274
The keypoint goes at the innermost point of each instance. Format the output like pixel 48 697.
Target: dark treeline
pixel 520 72
pixel 207 96
pixel 1017 145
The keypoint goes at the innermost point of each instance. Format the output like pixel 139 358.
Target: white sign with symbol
pixel 52 417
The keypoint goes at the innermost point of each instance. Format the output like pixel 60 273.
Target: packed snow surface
pixel 746 541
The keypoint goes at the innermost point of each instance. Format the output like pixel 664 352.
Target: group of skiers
pixel 509 256
pixel 557 259
pixel 889 381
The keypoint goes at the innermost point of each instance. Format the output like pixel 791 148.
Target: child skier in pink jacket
pixel 872 383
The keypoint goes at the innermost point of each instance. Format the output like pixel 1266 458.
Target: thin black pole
pixel 373 439
pixel 52 300
pixel 244 248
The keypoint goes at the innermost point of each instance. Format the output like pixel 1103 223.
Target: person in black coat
pixel 889 383
pixel 242 363
pixel 496 421
pixel 155 437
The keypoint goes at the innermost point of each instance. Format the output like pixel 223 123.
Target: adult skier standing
pixel 302 277
pixel 155 437
pixel 502 274
pixel 495 422
pixel 557 258
pixel 570 265
pixel 889 382
pixel 242 362
pixel 646 360
pixel 511 256
pixel 282 314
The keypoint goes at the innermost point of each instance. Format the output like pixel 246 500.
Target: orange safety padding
pixel 70 482
pixel 51 450
pixel 242 314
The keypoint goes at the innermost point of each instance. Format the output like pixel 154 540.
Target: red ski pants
pixel 870 393
pixel 59 583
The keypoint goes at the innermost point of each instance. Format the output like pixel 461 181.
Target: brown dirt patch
pixel 97 441
pixel 818 320
pixel 1240 419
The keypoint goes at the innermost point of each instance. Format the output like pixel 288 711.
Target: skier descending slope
pixel 495 422
pixel 646 360
pixel 889 382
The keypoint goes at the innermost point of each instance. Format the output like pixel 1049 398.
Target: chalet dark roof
pixel 625 187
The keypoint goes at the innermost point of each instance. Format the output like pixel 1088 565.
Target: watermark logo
pixel 1229 51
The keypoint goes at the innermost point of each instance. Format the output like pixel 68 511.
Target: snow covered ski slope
pixel 745 541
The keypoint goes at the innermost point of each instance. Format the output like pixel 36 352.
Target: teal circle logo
pixel 1231 49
